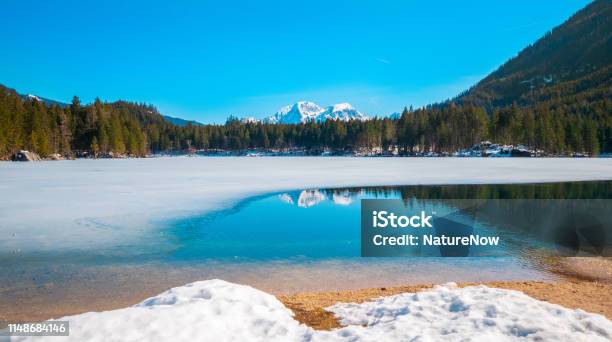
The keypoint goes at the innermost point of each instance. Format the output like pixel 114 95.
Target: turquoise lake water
pixel 319 224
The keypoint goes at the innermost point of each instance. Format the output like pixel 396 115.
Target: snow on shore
pixel 475 313
pixel 215 310
pixel 95 201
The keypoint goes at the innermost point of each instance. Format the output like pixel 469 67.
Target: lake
pixel 303 240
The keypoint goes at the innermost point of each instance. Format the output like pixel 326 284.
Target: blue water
pixel 319 224
pixel 271 228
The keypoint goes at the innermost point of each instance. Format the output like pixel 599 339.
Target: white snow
pixel 305 111
pixel 342 198
pixel 343 112
pixel 300 112
pixel 87 203
pixel 476 313
pixel 342 106
pixel 309 198
pixel 215 310
pixel 33 97
pixel 304 198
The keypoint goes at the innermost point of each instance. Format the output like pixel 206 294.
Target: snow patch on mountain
pixel 306 111
pixel 302 111
pixel 342 112
pixel 33 97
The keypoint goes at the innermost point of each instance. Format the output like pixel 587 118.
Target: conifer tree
pixel 94 147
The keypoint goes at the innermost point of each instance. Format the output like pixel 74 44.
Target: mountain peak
pixel 342 111
pixel 33 97
pixel 305 103
pixel 308 108
pixel 305 111
pixel 301 111
pixel 342 106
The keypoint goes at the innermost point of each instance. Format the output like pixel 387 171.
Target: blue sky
pixel 205 60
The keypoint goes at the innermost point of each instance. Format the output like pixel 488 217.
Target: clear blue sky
pixel 206 60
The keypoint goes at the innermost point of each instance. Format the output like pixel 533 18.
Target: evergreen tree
pixel 94 147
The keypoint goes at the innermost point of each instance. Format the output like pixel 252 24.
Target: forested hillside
pixel 573 58
pixel 137 129
pixel 555 95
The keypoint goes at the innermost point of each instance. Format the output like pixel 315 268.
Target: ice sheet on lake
pixel 87 203
pixel 215 310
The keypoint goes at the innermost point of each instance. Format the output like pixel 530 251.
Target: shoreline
pixel 309 307
pixel 47 159
pixel 585 283
pixel 590 296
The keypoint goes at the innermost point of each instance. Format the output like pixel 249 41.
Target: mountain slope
pixel 47 102
pixel 180 122
pixel 341 111
pixel 302 111
pixel 574 56
pixel 173 120
pixel 306 111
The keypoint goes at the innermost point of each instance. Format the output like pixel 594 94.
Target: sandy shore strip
pixel 586 284
pixel 590 296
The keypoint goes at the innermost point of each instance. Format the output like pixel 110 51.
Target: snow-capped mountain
pixel 304 198
pixel 305 111
pixel 302 111
pixel 343 112
pixel 310 198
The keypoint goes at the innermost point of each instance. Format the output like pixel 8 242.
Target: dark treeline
pixel 580 123
pixel 566 190
pixel 35 126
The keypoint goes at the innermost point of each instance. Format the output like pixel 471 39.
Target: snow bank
pixel 212 310
pixel 215 310
pixel 479 313
pixel 99 201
